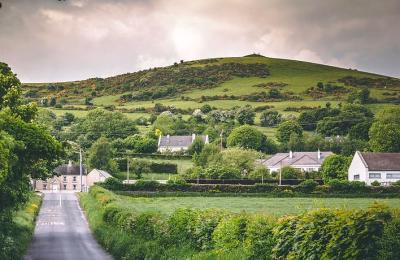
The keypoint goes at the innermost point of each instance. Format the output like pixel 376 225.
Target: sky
pixel 51 40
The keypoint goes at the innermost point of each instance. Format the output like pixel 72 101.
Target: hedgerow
pixel 208 234
pixel 306 188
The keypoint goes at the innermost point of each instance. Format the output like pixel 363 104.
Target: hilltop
pixel 288 86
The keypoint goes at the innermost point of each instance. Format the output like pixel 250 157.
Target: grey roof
pixel 104 173
pixel 69 169
pixel 382 161
pixel 298 159
pixel 177 141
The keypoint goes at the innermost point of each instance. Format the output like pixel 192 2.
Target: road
pixel 62 231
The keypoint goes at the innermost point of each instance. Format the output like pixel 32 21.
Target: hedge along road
pixel 62 231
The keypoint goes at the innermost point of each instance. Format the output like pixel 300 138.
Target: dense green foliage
pixel 27 150
pixel 336 167
pixel 355 234
pixel 16 234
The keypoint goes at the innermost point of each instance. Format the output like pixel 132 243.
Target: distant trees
pixel 384 133
pixel 197 146
pixel 249 137
pixel 101 154
pixel 286 129
pixel 245 115
pixel 270 118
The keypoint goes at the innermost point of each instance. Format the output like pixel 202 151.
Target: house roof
pixel 298 159
pixel 178 141
pixel 382 161
pixel 69 169
pixel 104 173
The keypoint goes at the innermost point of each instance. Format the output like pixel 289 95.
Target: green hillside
pixel 285 85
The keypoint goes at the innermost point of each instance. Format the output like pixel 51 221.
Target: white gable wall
pixel 357 168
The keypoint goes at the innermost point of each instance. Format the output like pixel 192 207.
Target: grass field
pixel 273 206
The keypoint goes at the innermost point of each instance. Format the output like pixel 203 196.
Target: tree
pixel 101 155
pixel 165 123
pixel 197 146
pixel 335 167
pixel 385 137
pixel 209 151
pixel 286 129
pixel 247 137
pixel 245 115
pixel 290 173
pixel 53 101
pixel 27 151
pixel 206 108
pixel 139 167
pixel 296 143
pixel 270 118
pixel 100 122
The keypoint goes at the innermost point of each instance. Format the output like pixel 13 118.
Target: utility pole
pixel 280 174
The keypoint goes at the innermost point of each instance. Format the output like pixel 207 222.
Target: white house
pixel 177 143
pixel 370 167
pixel 67 178
pixel 305 161
pixel 96 176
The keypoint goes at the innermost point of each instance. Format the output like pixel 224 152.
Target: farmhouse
pixel 177 143
pixel 67 178
pixel 305 161
pixel 370 167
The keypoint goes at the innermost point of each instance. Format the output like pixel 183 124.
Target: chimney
pixel 319 154
pixel 193 137
pixel 291 154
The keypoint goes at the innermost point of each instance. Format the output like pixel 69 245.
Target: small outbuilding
pixel 97 176
pixel 369 167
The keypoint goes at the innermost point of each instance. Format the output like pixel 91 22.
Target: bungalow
pixel 177 143
pixel 370 167
pixel 305 161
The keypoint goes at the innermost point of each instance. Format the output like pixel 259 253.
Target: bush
pixel 376 183
pixel 221 172
pixel 260 239
pixel 230 233
pixel 308 186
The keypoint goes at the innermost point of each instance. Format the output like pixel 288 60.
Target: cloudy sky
pixel 50 40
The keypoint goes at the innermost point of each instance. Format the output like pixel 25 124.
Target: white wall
pixel 357 167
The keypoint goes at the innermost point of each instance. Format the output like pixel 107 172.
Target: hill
pixel 288 86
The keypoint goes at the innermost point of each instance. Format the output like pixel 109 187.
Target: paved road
pixel 62 231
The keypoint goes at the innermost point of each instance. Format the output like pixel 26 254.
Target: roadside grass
pixel 272 206
pixel 21 229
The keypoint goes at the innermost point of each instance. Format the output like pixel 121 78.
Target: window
pixel 44 186
pixel 393 176
pixel 74 187
pixel 356 177
pixel 65 186
pixel 374 175
pixel 65 178
pixel 74 178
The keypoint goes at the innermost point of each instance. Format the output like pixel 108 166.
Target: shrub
pixel 376 183
pixel 260 239
pixel 230 232
pixel 113 184
pixel 222 172
pixel 291 173
pixel 308 186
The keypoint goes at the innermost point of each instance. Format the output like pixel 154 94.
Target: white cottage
pixel 97 176
pixel 370 167
pixel 181 143
pixel 305 161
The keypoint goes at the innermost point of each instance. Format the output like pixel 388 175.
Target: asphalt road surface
pixel 62 231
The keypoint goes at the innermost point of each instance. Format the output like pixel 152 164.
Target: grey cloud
pixel 48 40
